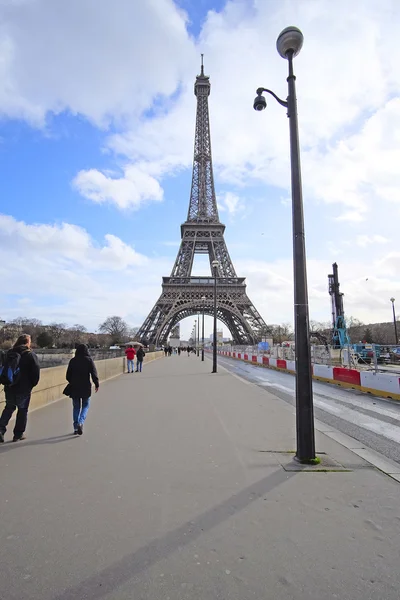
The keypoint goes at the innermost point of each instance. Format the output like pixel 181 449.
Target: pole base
pixel 308 461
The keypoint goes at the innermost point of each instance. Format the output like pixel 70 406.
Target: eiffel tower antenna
pixel 203 233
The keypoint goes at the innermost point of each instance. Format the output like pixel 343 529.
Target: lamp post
pixel 202 329
pixel 289 44
pixel 195 334
pixel 198 334
pixel 215 265
pixel 394 321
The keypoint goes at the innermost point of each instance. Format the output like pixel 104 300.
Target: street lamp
pixel 195 334
pixel 198 334
pixel 394 321
pixel 215 265
pixel 289 44
pixel 203 298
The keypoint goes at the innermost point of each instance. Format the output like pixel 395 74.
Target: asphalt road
pixel 373 421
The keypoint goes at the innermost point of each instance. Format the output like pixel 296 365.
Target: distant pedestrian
pixel 80 369
pixel 188 350
pixel 140 354
pixel 179 351
pixel 19 373
pixel 130 355
pixel 169 350
pixel 166 350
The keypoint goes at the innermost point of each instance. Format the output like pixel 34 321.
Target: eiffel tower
pixel 203 233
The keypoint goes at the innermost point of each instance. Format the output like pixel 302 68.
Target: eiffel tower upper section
pixel 183 294
pixel 203 203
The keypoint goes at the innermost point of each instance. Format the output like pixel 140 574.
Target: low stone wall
pixel 52 380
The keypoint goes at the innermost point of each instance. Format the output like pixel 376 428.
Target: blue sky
pixel 96 138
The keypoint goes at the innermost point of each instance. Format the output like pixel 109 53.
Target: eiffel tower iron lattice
pixel 203 233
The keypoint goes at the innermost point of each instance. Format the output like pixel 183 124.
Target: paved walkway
pixel 177 491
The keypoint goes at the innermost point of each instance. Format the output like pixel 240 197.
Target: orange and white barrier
pixel 378 384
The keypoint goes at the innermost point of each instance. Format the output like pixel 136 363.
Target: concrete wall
pixel 52 380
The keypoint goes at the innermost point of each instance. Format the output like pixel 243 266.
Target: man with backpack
pixel 19 373
pixel 140 354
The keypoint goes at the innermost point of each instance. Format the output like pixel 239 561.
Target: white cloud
pixel 108 77
pixel 365 240
pixel 352 216
pixel 132 190
pixel 59 272
pixel 104 62
pixel 367 288
pixel 66 274
pixel 66 243
pixel 230 203
pixel 350 147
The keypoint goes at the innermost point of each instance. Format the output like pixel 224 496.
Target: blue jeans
pixel 130 364
pixel 15 401
pixel 139 365
pixel 80 410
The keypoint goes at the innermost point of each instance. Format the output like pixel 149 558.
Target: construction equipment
pixel 361 352
pixel 340 337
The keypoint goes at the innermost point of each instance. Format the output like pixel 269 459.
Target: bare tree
pixel 79 334
pixel 30 326
pixel 132 332
pixel 57 332
pixel 355 329
pixel 116 327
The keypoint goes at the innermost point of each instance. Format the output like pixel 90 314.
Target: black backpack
pixel 10 369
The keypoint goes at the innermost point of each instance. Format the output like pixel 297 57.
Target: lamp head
pixel 260 102
pixel 215 264
pixel 290 39
pixel 392 299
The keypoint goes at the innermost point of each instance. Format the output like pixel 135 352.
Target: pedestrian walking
pixel 169 350
pixel 140 354
pixel 80 369
pixel 19 373
pixel 130 353
pixel 166 350
pixel 179 351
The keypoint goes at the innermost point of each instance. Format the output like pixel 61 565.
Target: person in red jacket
pixel 130 354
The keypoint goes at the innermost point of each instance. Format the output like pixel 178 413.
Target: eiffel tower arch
pixel 184 295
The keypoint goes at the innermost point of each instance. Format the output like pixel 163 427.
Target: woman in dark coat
pixel 79 371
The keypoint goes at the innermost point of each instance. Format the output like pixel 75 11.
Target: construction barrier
pixel 343 375
pixel 291 366
pixel 380 381
pixel 378 384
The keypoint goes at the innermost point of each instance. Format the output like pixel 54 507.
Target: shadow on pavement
pixel 52 440
pixel 103 583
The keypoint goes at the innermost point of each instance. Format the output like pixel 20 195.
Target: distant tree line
pixel 114 330
pixel 376 333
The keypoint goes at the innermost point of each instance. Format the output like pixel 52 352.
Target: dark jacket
pixel 29 373
pixel 140 355
pixel 80 368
